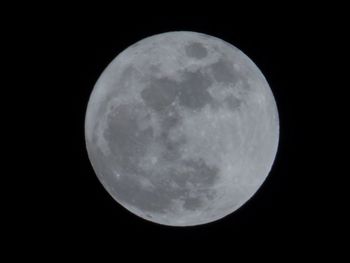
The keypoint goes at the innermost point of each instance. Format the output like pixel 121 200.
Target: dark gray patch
pixel 196 50
pixel 172 148
pixel 169 119
pixel 160 93
pixel 203 175
pixel 232 102
pixel 224 71
pixel 126 141
pixel 193 91
pixel 154 68
pixel 210 194
pixel 192 203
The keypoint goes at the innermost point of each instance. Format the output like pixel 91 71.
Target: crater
pixel 223 71
pixel 196 50
pixel 160 93
pixel 193 91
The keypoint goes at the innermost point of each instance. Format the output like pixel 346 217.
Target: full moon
pixel 182 128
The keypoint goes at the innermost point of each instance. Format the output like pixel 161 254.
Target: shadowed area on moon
pixel 196 50
pixel 223 71
pixel 137 145
pixel 191 92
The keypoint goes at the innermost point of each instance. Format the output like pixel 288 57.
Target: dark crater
pixel 160 93
pixel 223 71
pixel 191 92
pixel 196 50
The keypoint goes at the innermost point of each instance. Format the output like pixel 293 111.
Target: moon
pixel 182 128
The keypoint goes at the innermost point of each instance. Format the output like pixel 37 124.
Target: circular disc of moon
pixel 182 128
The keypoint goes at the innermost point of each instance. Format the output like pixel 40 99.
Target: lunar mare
pixel 182 128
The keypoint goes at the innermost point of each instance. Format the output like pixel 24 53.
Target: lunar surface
pixel 182 128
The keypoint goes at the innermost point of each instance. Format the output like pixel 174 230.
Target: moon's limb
pixel 182 128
